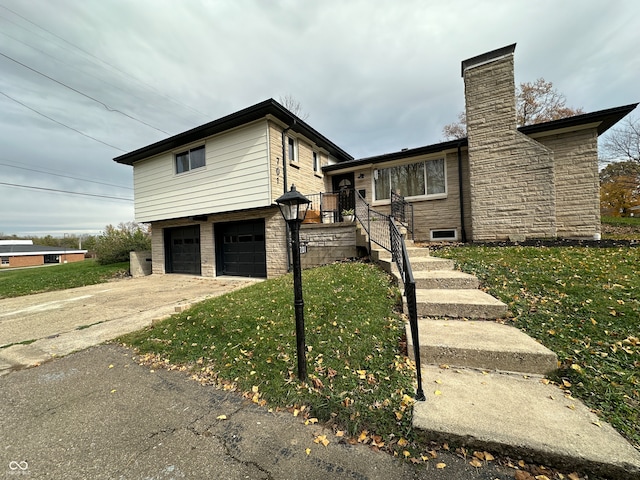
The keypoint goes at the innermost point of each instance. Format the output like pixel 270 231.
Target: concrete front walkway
pixel 37 328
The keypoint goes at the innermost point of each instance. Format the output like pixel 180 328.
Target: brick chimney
pixel 511 175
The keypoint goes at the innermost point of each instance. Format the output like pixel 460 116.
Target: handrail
pixel 402 211
pixel 382 230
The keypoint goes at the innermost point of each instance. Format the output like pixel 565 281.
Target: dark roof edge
pixel 607 118
pixel 487 57
pixel 239 118
pixel 411 152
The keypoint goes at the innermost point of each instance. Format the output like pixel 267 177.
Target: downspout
pixel 285 188
pixel 284 159
pixel 463 233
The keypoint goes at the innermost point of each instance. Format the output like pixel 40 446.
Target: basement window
pixel 439 235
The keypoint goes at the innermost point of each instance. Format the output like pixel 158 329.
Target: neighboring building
pixel 23 253
pixel 209 192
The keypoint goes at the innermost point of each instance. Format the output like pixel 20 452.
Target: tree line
pixel 110 246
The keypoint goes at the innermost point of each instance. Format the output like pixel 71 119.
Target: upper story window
pixel 292 149
pixel 316 162
pixel 411 180
pixel 191 159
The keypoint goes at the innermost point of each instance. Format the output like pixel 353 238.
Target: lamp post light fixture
pixel 293 206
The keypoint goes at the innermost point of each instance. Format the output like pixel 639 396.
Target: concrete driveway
pixel 37 328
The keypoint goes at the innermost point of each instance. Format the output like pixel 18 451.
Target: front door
pixel 344 185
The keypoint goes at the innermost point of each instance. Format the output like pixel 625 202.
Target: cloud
pixel 374 76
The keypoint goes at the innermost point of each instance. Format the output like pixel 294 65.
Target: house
pixel 209 192
pixel 23 253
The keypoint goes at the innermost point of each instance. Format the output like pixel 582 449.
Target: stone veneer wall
pixel 511 177
pixel 577 183
pixel 327 243
pixel 299 173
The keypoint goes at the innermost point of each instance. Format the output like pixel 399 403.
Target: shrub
pixel 115 243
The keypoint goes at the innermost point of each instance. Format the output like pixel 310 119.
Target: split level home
pixel 209 193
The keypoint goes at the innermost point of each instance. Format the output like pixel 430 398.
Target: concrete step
pixel 458 303
pixel 523 418
pixel 428 279
pixel 378 253
pixel 418 264
pixel 481 344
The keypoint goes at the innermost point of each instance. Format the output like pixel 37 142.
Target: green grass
pixel 633 221
pixel 621 228
pixel 582 303
pixel 245 340
pixel 27 281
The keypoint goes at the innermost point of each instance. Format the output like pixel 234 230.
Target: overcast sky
pixel 373 76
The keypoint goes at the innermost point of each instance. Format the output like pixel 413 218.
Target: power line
pixel 65 191
pixel 64 176
pixel 60 123
pixel 107 107
pixel 83 72
pixel 150 87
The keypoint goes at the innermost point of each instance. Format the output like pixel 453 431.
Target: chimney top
pixel 487 57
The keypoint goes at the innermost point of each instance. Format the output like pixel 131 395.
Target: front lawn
pixel 582 303
pixel 27 281
pixel 621 228
pixel 358 378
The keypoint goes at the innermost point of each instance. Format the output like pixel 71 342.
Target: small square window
pixel 5 260
pixel 193 158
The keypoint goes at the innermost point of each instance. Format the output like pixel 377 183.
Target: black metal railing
pixel 331 205
pixel 402 211
pixel 382 230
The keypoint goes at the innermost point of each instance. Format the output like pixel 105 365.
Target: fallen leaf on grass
pixel 441 465
pixel 221 417
pixel 475 463
pixel 308 451
pixel 321 439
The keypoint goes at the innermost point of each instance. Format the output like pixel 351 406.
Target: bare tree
pixel 536 102
pixel 293 105
pixel 623 142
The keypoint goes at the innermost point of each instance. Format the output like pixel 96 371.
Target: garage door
pixel 240 249
pixel 182 250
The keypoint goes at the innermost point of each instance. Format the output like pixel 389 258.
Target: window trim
pixel 316 160
pixel 426 196
pixel 188 151
pixel 292 145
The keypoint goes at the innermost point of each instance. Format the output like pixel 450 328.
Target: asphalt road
pixel 98 414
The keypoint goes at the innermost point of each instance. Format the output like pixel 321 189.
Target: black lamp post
pixel 293 206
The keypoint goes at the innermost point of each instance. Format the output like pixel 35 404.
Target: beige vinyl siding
pixel 236 177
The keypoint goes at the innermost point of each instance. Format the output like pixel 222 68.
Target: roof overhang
pixel 601 120
pixel 268 108
pixel 449 145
